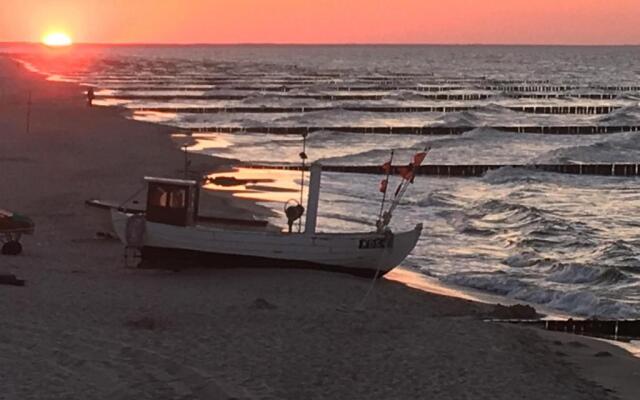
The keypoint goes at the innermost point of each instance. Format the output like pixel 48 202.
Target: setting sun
pixel 57 39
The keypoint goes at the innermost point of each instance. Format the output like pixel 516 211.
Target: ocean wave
pixel 618 250
pixel 493 109
pixel 498 283
pixel 472 137
pixel 576 273
pixel 309 118
pixel 438 198
pixel 629 115
pixel 488 134
pixel 628 96
pixel 265 98
pixel 579 302
pixel 364 156
pixel 506 175
pixel 524 260
pixel 349 218
pixel 264 143
pixel 465 225
pixel 505 214
pixel 462 118
pixel 531 231
pixel 590 305
pixel 616 148
pixel 528 227
pixel 403 95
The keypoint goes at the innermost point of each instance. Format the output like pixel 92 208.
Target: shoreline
pixel 77 289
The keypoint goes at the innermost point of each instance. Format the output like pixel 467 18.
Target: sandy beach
pixel 85 327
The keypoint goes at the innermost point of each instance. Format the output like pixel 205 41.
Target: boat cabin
pixel 172 201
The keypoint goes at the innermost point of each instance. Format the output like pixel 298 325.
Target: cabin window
pixel 158 197
pixel 177 199
pixel 173 204
pixel 168 199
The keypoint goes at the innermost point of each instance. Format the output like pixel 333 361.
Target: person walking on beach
pixel 90 97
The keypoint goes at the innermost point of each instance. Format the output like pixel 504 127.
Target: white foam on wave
pixel 629 115
pixel 506 175
pixel 522 260
pixel 462 118
pixel 573 273
pixel 581 302
pixel 619 147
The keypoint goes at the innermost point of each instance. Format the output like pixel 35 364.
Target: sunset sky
pixel 325 21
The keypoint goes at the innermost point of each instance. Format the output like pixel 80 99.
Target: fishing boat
pixel 170 235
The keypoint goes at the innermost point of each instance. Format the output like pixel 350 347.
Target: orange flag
pixel 419 158
pixel 406 172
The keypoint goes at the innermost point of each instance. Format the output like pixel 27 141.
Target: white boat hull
pixel 364 254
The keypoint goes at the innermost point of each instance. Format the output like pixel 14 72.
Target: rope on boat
pixel 121 205
pixel 360 306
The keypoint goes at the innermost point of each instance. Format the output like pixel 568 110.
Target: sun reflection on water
pixel 265 185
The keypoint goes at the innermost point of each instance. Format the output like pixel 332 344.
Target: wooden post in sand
pixel 28 128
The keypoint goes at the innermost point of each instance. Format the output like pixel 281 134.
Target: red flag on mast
pixel 419 158
pixel 406 172
pixel 383 185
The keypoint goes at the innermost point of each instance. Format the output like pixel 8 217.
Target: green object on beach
pixel 11 222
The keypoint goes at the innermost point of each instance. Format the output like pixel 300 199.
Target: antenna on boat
pixel 185 147
pixel 303 157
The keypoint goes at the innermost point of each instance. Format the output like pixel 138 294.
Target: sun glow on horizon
pixel 57 39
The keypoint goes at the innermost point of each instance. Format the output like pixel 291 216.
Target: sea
pixel 570 243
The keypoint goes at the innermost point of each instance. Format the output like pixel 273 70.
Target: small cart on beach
pixel 12 227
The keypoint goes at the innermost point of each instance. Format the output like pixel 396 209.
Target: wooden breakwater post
pixel 475 170
pixel 426 130
pixel 590 110
pixel 437 96
pixel 621 330
pixel 610 329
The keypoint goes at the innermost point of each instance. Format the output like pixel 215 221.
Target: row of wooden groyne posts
pixel 339 82
pixel 309 77
pixel 352 97
pixel 622 330
pixel 586 110
pixel 432 89
pixel 231 74
pixel 470 171
pixel 420 130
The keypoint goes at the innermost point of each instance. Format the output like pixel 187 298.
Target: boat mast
pixel 313 198
pixel 386 188
pixel 385 219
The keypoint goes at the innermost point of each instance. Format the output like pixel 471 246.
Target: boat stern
pixel 119 224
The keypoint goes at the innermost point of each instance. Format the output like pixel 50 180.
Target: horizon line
pixel 167 44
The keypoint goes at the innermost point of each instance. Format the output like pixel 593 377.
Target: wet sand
pixel 85 327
